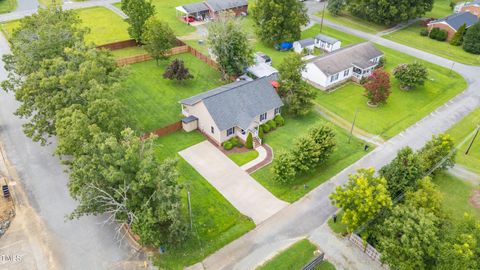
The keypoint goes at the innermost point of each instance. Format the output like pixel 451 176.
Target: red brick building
pixel 453 22
pixel 472 7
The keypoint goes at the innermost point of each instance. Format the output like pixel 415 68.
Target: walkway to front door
pixel 236 185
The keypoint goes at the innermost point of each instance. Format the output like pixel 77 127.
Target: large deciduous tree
pixel 389 12
pixel 279 20
pixel 427 196
pixel 457 39
pixel 438 154
pixel 158 38
pixel 377 87
pixel 138 12
pixel 363 197
pixel 471 41
pixel 410 75
pixel 294 91
pixel 229 44
pixel 403 172
pixel 177 71
pixel 335 7
pixel 409 238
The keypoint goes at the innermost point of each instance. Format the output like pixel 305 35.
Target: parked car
pixel 284 46
pixel 263 58
pixel 189 19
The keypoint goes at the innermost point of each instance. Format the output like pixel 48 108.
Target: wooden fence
pixel 146 57
pixel 164 130
pixel 367 249
pixel 119 45
pixel 313 263
pixel 202 57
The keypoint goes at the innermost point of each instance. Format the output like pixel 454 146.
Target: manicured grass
pixel 354 22
pixel 402 108
pixel 7 5
pixel 127 52
pixel 282 138
pixel 243 158
pixel 105 26
pixel 152 101
pixel 295 257
pixel 337 227
pixel 411 36
pixel 325 265
pixel 215 221
pixel 456 196
pixel 345 38
pixel 459 132
pixel 441 8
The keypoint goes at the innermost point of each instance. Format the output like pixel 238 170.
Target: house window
pixel 212 130
pixel 277 110
pixel 243 131
pixel 334 78
pixel 346 72
pixel 230 131
pixel 263 116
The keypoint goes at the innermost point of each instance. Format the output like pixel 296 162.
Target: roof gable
pixel 458 19
pixel 220 5
pixel 326 39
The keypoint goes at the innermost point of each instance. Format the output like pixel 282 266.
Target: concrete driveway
pixel 241 190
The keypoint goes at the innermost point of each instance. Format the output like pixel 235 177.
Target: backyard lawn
pixel 127 52
pixel 354 22
pixel 152 101
pixel 243 158
pixel 282 138
pixel 215 221
pixel 462 134
pixel 402 108
pixel 441 8
pixel 295 257
pixel 411 36
pixel 456 197
pixel 7 5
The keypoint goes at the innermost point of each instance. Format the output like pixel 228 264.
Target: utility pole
pixel 190 210
pixel 323 15
pixel 473 139
pixel 451 69
pixel 353 125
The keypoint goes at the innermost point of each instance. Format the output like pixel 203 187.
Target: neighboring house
pixel 210 9
pixel 352 62
pixel 327 43
pixel 453 22
pixel 472 7
pixel 231 110
pixel 305 45
pixel 260 57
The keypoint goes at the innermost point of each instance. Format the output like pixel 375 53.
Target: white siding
pixel 299 49
pixel 326 46
pixel 314 74
pixel 205 121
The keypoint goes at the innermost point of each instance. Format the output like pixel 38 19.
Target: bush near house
pixel 471 41
pixel 279 120
pixel 438 34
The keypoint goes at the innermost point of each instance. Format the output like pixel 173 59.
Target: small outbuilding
pixel 327 43
pixel 190 123
pixel 305 45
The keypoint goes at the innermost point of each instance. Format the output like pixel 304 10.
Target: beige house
pixel 231 110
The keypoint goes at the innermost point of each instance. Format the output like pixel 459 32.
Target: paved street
pixel 236 185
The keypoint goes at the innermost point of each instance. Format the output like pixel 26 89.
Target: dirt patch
pixel 7 210
pixel 475 199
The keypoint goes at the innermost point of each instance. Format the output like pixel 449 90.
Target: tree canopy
pixel 410 75
pixel 279 20
pixel 158 38
pixel 138 12
pixel 377 87
pixel 471 41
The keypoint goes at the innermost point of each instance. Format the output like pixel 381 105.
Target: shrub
pixel 227 145
pixel 236 142
pixel 279 120
pixel 382 62
pixel 433 33
pixel 471 41
pixel 249 142
pixel 424 32
pixel 284 168
pixel 265 127
pixel 260 133
pixel 324 136
pixel 457 39
pixel 272 124
pixel 410 75
pixel 442 35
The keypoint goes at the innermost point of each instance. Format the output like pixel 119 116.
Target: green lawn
pixel 105 26
pixel 411 36
pixel 345 38
pixel 456 196
pixel 354 22
pixel 127 52
pixel 441 8
pixel 338 227
pixel 402 108
pixel 7 5
pixel 294 257
pixel 153 101
pixel 459 133
pixel 282 138
pixel 243 158
pixel 215 221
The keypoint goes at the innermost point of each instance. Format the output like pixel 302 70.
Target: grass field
pixel 215 221
pixel 354 22
pixel 441 8
pixel 411 36
pixel 456 196
pixel 337 227
pixel 7 5
pixel 295 257
pixel 127 52
pixel 243 158
pixel 461 132
pixel 152 101
pixel 402 108
pixel 344 155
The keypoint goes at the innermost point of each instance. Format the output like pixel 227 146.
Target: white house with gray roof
pixel 304 45
pixel 327 43
pixel 351 62
pixel 235 109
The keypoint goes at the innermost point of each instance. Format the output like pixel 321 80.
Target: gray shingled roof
pixel 220 5
pixel 195 7
pixel 458 19
pixel 306 42
pixel 238 103
pixel 342 59
pixel 326 39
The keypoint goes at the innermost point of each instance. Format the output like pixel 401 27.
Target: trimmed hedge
pixel 279 120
